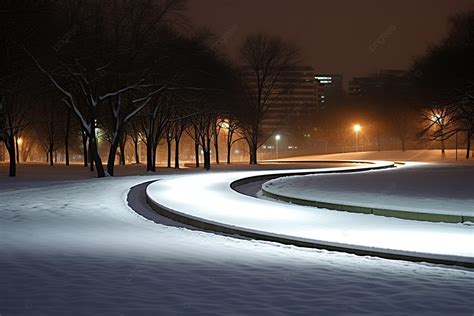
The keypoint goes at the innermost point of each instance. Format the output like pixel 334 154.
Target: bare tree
pixel 231 127
pixel 47 129
pixel 445 77
pixel 18 20
pixel 265 60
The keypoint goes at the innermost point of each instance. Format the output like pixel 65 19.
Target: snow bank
pixel 78 248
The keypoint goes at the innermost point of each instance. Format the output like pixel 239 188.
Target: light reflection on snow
pixel 209 197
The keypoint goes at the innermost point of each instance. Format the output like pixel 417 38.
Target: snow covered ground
pixel 427 188
pixel 81 247
pixel 316 225
pixel 427 155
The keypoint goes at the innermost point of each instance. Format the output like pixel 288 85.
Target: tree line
pixel 131 69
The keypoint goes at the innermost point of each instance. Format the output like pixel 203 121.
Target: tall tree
pixel 445 76
pixel 265 59
pixel 18 25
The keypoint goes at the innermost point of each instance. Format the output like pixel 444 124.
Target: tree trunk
pixel 253 146
pixel 229 148
pixel 96 158
pixel 122 151
pixel 230 136
pixel 207 155
pixel 253 153
pixel 216 147
pixel 196 153
pixel 155 153
pixel 150 166
pixel 51 162
pixel 111 159
pixel 468 148
pixel 168 142
pixel 17 150
pixel 91 156
pixel 66 139
pixel 196 147
pixel 207 158
pixel 84 148
pixel 10 144
pixel 176 152
pixel 137 155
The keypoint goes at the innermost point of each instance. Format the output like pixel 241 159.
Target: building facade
pixel 330 88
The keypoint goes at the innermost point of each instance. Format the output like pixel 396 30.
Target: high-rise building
pixel 375 84
pixel 295 92
pixel 329 88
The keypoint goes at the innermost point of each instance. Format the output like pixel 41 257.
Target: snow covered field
pixel 427 155
pixel 429 188
pixel 82 247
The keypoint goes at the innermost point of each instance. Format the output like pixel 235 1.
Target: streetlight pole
pixel 277 138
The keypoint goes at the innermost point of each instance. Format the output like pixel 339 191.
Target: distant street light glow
pixel 357 129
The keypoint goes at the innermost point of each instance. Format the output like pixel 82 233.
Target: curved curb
pixel 410 215
pixel 202 221
pixel 276 174
pixel 300 242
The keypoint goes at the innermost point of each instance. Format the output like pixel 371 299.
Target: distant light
pixel 357 128
pixel 277 137
pixel 225 124
pixel 437 118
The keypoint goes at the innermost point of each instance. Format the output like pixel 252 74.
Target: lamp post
pixel 357 129
pixel 277 138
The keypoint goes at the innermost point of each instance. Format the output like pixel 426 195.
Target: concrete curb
pixel 209 225
pixel 409 215
pixel 288 240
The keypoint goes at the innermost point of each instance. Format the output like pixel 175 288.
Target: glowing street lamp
pixel 357 129
pixel 225 124
pixel 437 119
pixel 277 138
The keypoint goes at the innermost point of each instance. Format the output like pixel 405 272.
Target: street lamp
pixel 277 138
pixel 357 129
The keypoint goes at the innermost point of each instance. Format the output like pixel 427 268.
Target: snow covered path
pixel 270 220
pixel 78 248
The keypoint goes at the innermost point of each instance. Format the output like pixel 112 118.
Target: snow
pixel 427 155
pixel 358 231
pixel 95 247
pixel 429 188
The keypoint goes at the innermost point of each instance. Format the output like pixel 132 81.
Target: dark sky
pixel 350 37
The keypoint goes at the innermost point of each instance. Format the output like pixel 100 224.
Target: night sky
pixel 352 38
